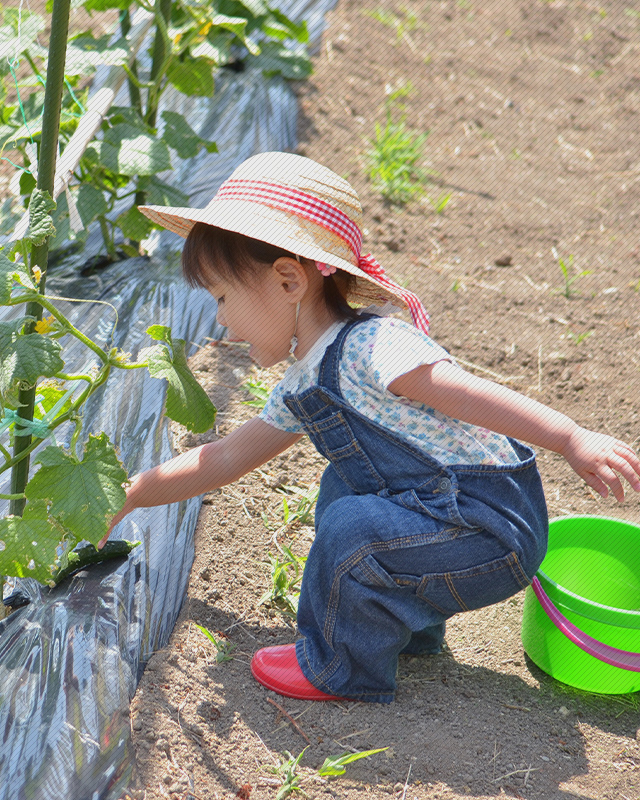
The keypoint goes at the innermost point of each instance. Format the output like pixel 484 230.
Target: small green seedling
pixel 401 24
pixel 569 280
pixel 577 338
pixel 286 576
pixel 441 203
pixel 223 649
pixel 287 771
pixel 259 390
pixel 304 509
pixel 336 765
pixel 393 161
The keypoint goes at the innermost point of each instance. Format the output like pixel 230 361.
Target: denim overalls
pixel 402 542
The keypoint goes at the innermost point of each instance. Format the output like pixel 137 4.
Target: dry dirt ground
pixel 533 110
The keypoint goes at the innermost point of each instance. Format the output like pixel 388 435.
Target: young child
pixel 429 505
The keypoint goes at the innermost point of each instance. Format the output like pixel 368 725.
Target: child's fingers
pixel 595 483
pixel 626 468
pixel 609 477
pixel 630 456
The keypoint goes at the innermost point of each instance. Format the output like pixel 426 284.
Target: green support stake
pixel 46 175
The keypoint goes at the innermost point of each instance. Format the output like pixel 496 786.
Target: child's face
pixel 259 314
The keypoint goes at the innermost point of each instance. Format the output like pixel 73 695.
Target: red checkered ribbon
pixel 323 213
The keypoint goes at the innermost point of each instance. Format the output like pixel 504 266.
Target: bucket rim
pixel 630 615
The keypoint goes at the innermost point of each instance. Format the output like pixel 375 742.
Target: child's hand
pixel 597 458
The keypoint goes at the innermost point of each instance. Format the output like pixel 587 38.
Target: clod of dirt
pixel 503 261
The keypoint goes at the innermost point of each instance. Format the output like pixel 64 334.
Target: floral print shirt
pixel 375 354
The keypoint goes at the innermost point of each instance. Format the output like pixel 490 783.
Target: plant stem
pixel 158 63
pixel 74 331
pixel 161 43
pixel 108 240
pixel 134 91
pixel 39 256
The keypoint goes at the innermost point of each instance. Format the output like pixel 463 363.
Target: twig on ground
pixel 290 718
pixel 527 771
pixel 346 746
pixel 406 783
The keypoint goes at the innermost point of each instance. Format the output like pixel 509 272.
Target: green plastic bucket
pixel 581 616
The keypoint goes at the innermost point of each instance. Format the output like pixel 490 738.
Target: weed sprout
pixel 569 280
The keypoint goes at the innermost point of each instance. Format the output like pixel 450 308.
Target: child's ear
pixel 292 277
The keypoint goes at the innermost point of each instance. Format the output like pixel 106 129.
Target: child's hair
pixel 236 258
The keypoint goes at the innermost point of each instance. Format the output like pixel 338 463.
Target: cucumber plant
pixel 75 491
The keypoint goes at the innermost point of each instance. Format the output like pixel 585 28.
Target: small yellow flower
pixel 119 356
pixel 45 325
pixel 37 274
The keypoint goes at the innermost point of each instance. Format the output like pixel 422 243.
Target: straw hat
pixel 295 203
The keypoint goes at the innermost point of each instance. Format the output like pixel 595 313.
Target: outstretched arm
pixel 206 467
pixel 596 457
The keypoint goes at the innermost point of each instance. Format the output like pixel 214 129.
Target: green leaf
pixel 131 116
pixel 276 59
pixel 216 48
pixel 85 495
pixel 257 8
pixel 126 150
pixel 103 5
pixel 161 333
pixel 187 401
pixel 27 183
pixel 50 393
pixel 91 203
pixel 25 358
pixel 193 77
pixel 84 54
pixel 297 31
pixel 237 26
pixel 159 193
pixel 184 140
pixel 40 223
pixel 10 274
pixel 134 225
pixel 29 544
pixel 335 765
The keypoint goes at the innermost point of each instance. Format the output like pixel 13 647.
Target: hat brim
pixel 274 226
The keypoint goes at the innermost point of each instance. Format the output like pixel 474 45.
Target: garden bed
pixel 533 113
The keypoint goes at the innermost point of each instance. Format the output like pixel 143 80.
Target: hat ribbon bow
pixel 323 213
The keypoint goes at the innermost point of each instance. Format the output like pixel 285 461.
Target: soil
pixel 533 111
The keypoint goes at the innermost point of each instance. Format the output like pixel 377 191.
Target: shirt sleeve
pixel 276 414
pixel 394 348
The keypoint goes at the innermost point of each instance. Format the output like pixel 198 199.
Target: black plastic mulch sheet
pixel 70 660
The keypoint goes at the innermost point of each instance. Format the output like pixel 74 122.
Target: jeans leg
pixel 381 579
pixel 354 619
pixel 428 641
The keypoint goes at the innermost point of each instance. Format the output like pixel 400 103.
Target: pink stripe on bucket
pixel 603 652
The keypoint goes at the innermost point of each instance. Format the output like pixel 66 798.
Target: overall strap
pixel 329 372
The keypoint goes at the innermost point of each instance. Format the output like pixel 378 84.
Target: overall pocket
pixel 454 591
pixel 476 587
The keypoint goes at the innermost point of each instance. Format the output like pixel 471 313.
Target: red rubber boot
pixel 277 668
